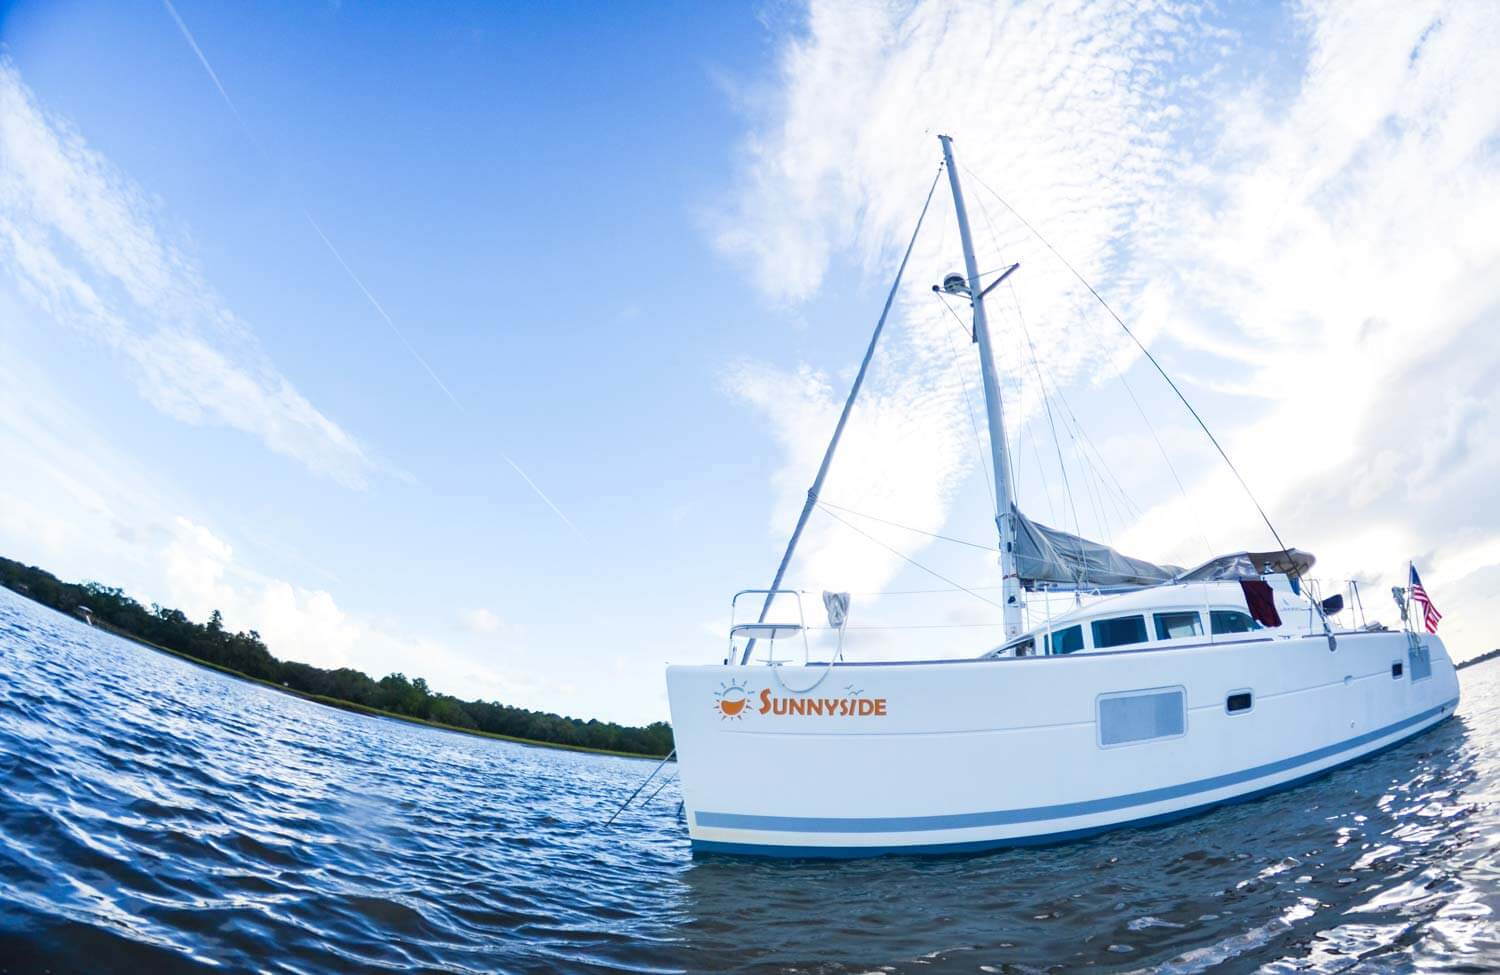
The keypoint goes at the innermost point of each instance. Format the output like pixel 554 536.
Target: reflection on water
pixel 1364 864
pixel 155 816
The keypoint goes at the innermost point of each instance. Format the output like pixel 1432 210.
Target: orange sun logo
pixel 730 700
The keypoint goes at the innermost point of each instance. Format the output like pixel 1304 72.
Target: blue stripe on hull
pixel 1064 836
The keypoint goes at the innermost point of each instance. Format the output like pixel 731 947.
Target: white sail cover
pixel 1049 556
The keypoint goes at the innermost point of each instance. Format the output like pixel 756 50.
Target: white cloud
pixel 297 624
pixel 81 507
pixel 1071 104
pixel 1346 236
pixel 1317 252
pixel 305 625
pixel 482 621
pixel 194 563
pixel 81 241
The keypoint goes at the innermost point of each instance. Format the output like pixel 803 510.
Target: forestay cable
pixel 838 430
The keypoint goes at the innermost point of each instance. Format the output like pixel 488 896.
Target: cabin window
pixel 1119 632
pixel 1141 716
pixel 1396 670
pixel 1069 640
pixel 1232 621
pixel 1175 626
pixel 1024 648
pixel 1238 701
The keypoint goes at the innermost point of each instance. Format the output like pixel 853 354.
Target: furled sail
pixel 1048 556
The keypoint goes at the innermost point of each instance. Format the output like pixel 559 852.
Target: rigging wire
pixel 969 404
pixel 1047 402
pixel 1020 432
pixel 1149 357
pixel 1047 406
pixel 1056 392
pixel 897 524
pixel 908 559
pixel 1166 458
pixel 1099 495
pixel 924 592
pixel 1020 374
pixel 1134 509
pixel 1129 391
pixel 915 626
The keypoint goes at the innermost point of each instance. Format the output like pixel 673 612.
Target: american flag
pixel 1430 615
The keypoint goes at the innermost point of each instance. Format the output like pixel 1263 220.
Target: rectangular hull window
pixel 1141 716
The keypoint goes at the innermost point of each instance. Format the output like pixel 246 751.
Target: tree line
pixel 1488 655
pixel 246 654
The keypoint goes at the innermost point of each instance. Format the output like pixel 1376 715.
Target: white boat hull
pixel 951 756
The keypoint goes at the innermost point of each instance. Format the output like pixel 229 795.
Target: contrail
pixel 381 309
pixel 539 494
pixel 224 93
pixel 192 43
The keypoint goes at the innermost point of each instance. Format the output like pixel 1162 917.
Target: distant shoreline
pixel 91 603
pixel 1491 655
pixel 353 706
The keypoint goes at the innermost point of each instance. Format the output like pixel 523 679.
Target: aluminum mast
pixel 994 410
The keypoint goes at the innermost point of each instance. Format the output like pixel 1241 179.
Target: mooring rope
pixel 659 767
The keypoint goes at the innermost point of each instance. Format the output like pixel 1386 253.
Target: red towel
pixel 1261 601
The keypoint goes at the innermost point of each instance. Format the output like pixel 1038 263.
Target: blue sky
pixel 637 252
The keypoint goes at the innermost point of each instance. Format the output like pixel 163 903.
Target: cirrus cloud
pixel 1298 220
pixel 81 241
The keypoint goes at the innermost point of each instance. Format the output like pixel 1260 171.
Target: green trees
pixel 246 654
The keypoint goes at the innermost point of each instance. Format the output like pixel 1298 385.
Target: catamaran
pixel 1167 692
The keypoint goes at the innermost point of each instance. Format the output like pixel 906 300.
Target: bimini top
pixel 1251 565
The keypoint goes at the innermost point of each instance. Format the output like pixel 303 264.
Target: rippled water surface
pixel 159 817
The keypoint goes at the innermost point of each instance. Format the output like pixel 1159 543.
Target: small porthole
pixel 1238 701
pixel 1397 669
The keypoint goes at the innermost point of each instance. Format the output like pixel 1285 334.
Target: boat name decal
pixel 849 706
pixel 734 700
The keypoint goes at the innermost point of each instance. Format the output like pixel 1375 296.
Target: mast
pixel 994 409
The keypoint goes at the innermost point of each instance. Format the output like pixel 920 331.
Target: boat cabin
pixel 1161 616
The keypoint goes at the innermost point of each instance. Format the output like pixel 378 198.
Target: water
pixel 159 817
